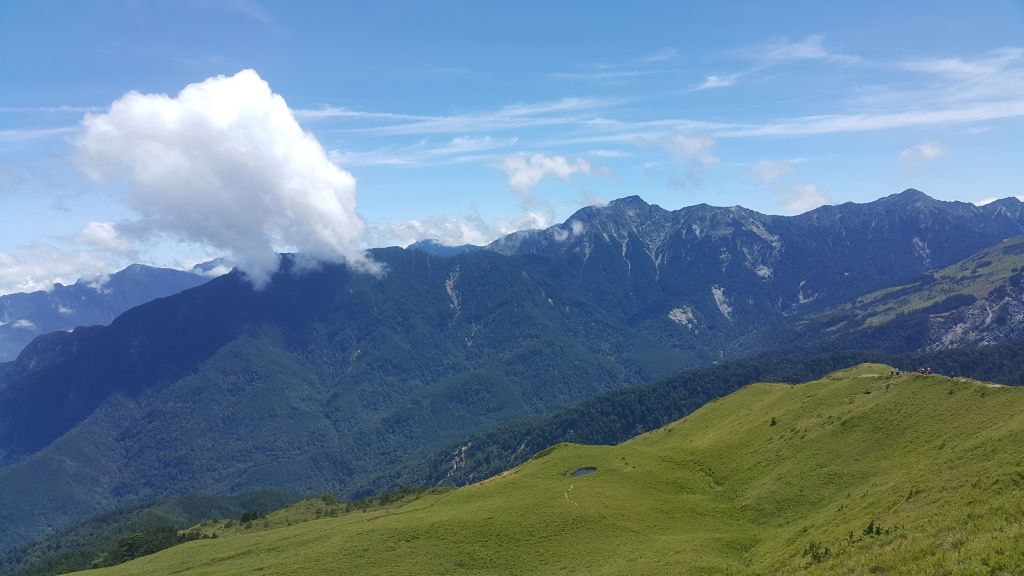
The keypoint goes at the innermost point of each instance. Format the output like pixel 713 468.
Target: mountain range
pixel 23 316
pixel 724 271
pixel 329 378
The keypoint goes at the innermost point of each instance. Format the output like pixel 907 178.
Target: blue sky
pixel 464 120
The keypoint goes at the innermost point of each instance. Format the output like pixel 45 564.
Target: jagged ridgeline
pixel 329 378
pixel 859 472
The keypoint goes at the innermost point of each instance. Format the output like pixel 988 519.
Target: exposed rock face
pixel 998 317
pixel 738 268
pixel 718 293
pixel 684 317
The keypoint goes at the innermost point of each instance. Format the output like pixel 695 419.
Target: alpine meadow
pixel 343 288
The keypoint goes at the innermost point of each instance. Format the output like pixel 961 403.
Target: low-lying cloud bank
pixel 225 164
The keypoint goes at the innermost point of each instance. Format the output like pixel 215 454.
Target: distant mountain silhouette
pixel 23 316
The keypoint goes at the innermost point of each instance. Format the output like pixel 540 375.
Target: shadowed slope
pixel 772 479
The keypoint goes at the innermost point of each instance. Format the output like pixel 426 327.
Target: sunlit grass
pixel 934 466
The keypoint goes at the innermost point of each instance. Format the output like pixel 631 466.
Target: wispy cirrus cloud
pixel 663 55
pixel 718 81
pixel 873 121
pixel 61 109
pixel 343 113
pixel 610 76
pixel 782 50
pixel 458 150
pixel 511 117
pixel 250 9
pixel 23 134
pixel 598 129
pixel 597 123
pixel 775 53
pixel 606 153
pixel 646 65
pixel 995 75
pixel 993 64
pixel 991 78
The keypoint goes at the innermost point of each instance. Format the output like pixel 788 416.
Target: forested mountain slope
pixel 859 472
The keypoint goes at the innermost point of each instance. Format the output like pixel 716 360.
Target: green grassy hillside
pixel 773 479
pixel 619 415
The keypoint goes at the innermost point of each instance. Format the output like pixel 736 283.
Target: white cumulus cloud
pixel 224 163
pixel 37 266
pixel 104 236
pixel 525 172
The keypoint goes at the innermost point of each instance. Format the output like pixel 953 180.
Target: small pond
pixel 584 471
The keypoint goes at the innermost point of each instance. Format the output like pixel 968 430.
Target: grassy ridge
pixel 617 416
pixel 932 465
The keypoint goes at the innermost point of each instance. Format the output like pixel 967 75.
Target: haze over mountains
pixel 328 377
pixel 23 316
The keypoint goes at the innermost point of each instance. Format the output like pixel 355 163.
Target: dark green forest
pixel 616 416
pixel 610 418
pixel 130 532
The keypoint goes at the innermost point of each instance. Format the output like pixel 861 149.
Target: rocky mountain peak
pixel 629 202
pixel 910 197
pixel 913 193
